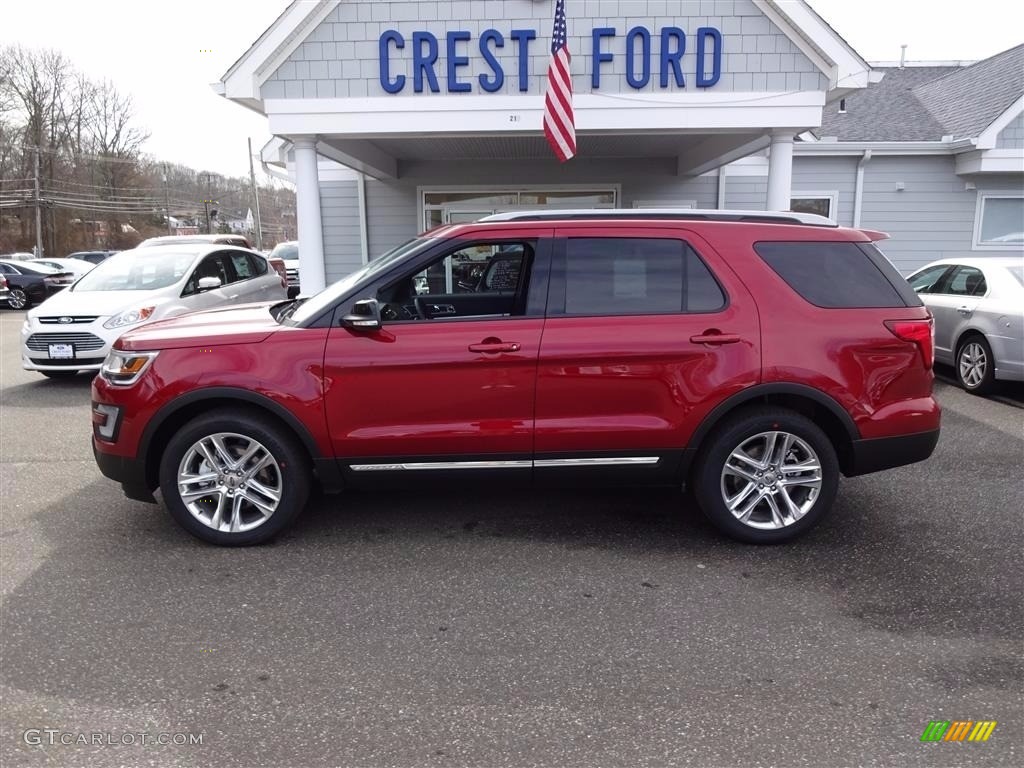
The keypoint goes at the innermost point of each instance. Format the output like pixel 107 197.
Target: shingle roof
pixel 925 103
pixel 967 101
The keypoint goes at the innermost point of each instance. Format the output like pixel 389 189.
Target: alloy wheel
pixel 771 480
pixel 17 298
pixel 973 364
pixel 230 482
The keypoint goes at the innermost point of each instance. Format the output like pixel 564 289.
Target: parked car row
pixel 29 283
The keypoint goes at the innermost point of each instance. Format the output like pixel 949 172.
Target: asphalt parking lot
pixel 514 628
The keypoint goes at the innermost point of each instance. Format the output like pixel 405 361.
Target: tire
pixel 18 299
pixel 975 366
pixel 59 374
pixel 717 475
pixel 287 473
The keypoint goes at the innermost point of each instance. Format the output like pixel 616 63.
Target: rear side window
pixel 259 265
pixel 637 276
pixel 837 275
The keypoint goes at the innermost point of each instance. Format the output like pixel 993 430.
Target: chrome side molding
pixel 602 461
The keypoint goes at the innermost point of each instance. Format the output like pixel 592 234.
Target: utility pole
pixel 167 202
pixel 206 204
pixel 256 197
pixel 39 209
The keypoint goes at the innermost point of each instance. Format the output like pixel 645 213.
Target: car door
pixel 245 285
pixel 213 265
pixel 953 304
pixel 927 283
pixel 447 384
pixel 647 330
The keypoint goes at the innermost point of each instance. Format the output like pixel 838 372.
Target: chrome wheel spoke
pixel 220 490
pixel 777 489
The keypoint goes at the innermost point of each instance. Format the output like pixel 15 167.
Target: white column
pixel 307 203
pixel 780 172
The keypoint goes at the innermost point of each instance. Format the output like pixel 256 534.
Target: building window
pixel 822 203
pixel 460 205
pixel 999 222
pixel 673 204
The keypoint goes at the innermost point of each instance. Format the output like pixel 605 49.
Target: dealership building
pixel 394 117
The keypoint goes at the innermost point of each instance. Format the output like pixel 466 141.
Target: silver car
pixel 978 304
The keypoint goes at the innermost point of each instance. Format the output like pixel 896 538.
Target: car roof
pixel 978 261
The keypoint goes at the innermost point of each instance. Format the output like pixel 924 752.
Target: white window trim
pixel 832 195
pixel 979 208
pixel 670 204
pixel 422 192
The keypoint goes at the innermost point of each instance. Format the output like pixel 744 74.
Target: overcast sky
pixel 157 53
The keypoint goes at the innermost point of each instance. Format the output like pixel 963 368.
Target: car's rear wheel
pixel 18 299
pixel 766 475
pixel 975 366
pixel 59 374
pixel 234 478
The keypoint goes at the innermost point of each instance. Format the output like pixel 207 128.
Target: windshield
pixel 141 270
pixel 285 251
pixel 312 307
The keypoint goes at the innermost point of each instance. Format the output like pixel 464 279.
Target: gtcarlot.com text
pixel 50 737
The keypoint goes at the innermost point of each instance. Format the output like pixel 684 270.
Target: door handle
pixel 964 310
pixel 494 347
pixel 713 337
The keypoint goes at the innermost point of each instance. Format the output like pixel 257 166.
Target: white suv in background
pixel 74 330
pixel 288 252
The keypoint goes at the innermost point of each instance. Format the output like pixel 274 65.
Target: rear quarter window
pixel 838 275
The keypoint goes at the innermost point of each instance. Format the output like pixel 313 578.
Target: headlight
pixel 125 368
pixel 129 317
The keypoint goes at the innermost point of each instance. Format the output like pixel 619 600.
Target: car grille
pixel 68 319
pixel 293 276
pixel 38 342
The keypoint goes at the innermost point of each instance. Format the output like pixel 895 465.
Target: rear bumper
pixel 880 453
pixel 130 473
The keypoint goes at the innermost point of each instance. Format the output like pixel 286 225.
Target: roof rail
pixel 670 214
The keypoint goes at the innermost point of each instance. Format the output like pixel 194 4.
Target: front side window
pixel 212 266
pixel 1002 222
pixel 966 281
pixel 637 276
pixel 475 280
pixel 927 280
pixel 242 266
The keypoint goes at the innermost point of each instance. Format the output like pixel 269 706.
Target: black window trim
pixel 556 290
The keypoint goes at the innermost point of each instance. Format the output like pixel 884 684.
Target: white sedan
pixel 76 267
pixel 74 330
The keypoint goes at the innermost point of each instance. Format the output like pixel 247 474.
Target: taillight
pixel 920 332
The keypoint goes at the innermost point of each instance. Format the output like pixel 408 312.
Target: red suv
pixel 754 357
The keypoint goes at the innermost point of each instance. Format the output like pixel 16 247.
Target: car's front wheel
pixel 18 299
pixel 766 475
pixel 234 478
pixel 975 366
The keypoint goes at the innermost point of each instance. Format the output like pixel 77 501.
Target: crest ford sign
pixel 451 56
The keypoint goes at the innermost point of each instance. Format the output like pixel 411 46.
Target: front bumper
pixel 129 472
pixel 91 343
pixel 880 453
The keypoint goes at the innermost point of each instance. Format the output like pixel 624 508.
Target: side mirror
pixel 365 316
pixel 208 283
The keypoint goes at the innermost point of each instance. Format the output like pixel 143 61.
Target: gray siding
pixel 828 174
pixel 932 218
pixel 746 192
pixel 1012 136
pixel 391 213
pixel 340 58
pixel 339 211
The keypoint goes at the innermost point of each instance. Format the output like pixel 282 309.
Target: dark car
pixel 93 257
pixel 32 283
pixel 754 357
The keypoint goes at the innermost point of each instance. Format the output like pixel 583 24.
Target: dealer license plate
pixel 62 351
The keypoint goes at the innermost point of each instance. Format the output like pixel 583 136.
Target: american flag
pixel 559 123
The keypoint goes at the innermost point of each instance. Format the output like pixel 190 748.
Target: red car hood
pixel 239 324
